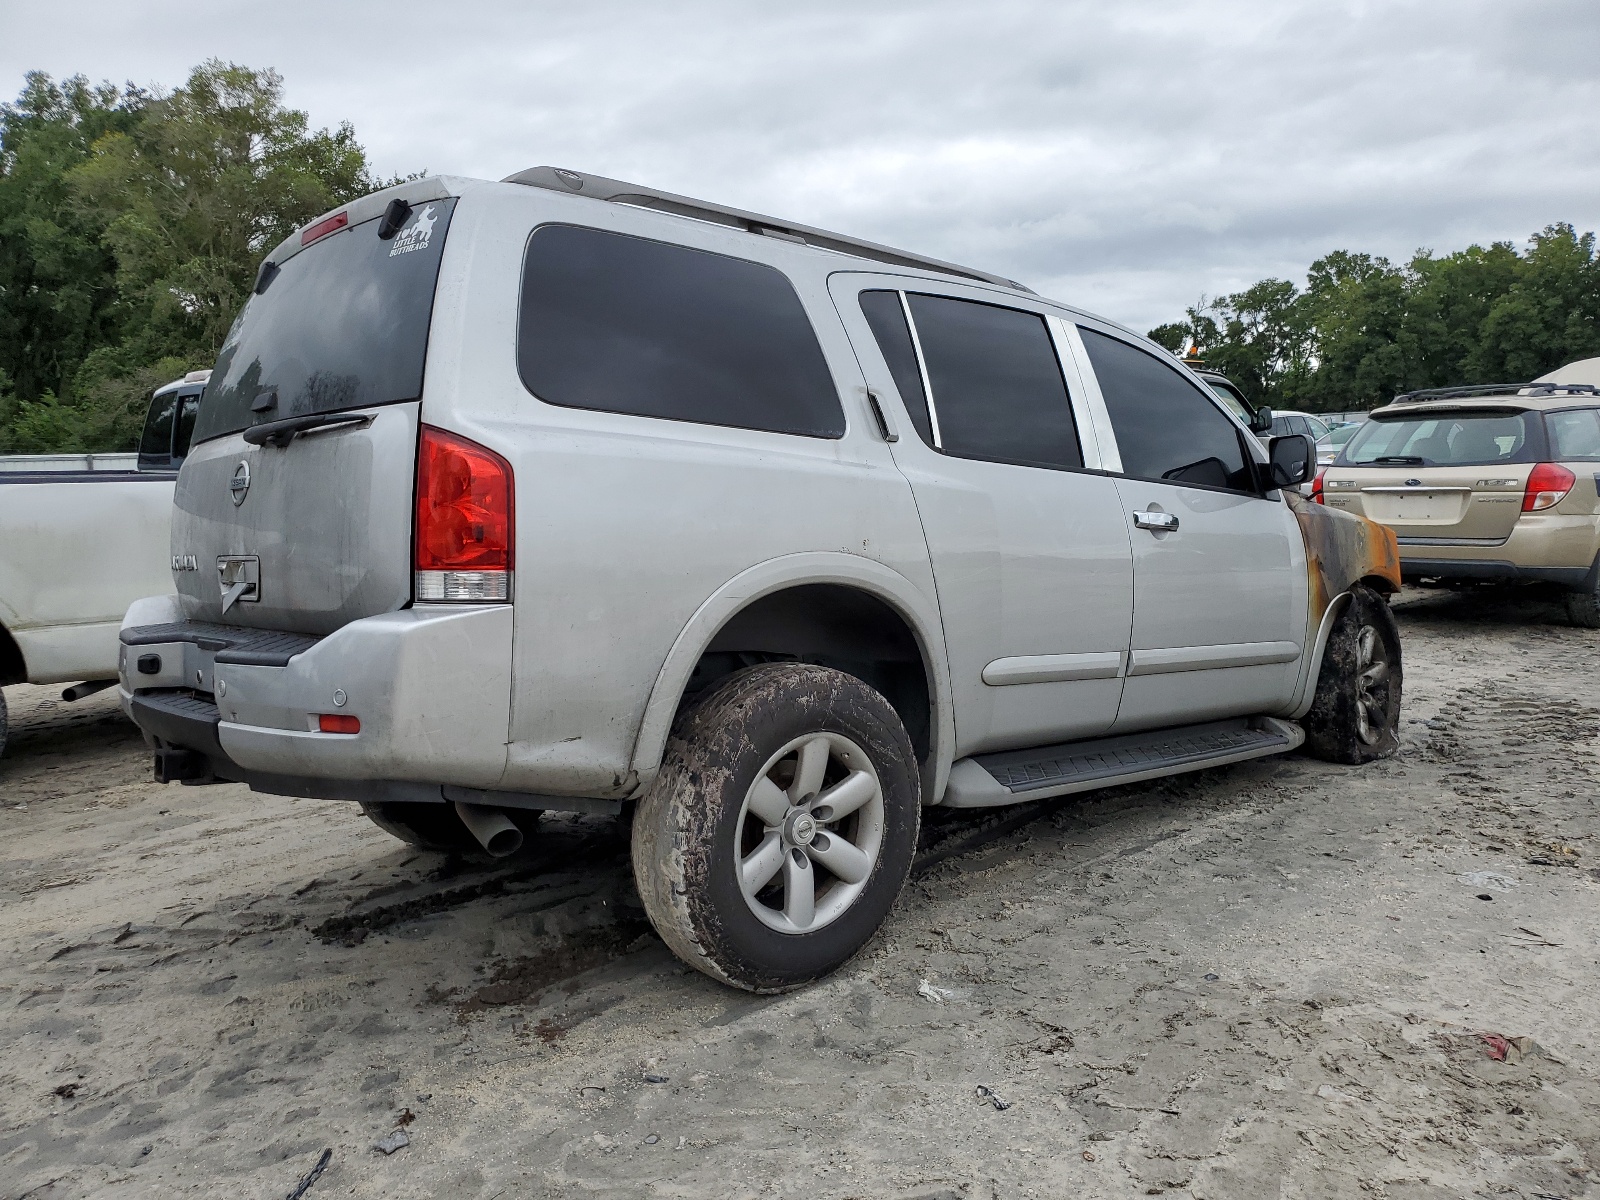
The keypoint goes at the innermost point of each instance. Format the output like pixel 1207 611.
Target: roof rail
pixel 1494 389
pixel 597 187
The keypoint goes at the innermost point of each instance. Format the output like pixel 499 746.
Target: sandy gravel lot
pixel 1261 981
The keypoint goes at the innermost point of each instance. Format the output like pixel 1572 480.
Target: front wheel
pixel 1355 715
pixel 781 827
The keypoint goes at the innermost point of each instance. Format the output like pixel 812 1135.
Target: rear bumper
pixel 1413 569
pixel 431 687
pixel 1550 547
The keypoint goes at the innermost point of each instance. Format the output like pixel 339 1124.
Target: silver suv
pixel 560 493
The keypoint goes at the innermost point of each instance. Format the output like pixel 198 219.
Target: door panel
pixel 1219 608
pixel 1032 563
pixel 1219 611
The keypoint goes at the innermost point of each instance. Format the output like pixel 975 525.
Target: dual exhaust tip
pixel 495 831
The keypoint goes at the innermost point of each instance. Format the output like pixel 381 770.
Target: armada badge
pixel 240 483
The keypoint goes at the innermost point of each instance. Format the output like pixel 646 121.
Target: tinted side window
pixel 888 321
pixel 626 325
pixel 1165 427
pixel 155 445
pixel 187 410
pixel 997 387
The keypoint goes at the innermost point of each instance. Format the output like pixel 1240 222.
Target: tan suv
pixel 1484 483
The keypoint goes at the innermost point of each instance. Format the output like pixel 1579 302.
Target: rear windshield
pixel 342 324
pixel 1455 439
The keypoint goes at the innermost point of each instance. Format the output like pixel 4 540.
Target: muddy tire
pixel 1355 716
pixel 437 827
pixel 5 722
pixel 781 827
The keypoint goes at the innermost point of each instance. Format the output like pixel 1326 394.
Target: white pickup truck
pixel 81 537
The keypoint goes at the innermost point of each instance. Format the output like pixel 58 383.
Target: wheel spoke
pixel 844 797
pixel 758 867
pixel 1367 644
pixel 810 770
pixel 799 890
pixel 1364 721
pixel 843 858
pixel 768 802
pixel 1374 675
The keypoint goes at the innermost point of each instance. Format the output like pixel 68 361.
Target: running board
pixel 1017 775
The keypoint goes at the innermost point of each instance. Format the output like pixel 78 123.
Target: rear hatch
pixel 1439 476
pixel 294 507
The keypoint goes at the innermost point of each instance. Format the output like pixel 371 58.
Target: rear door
pixel 1443 477
pixel 1219 618
pixel 311 529
pixel 1029 548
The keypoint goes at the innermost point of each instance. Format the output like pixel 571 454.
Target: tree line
pixel 132 223
pixel 1364 329
pixel 131 226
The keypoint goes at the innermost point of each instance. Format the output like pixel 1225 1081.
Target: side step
pixel 1017 775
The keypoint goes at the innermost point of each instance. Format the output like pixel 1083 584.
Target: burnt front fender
pixel 1342 550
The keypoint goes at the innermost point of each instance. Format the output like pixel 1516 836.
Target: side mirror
pixel 1291 460
pixel 1262 421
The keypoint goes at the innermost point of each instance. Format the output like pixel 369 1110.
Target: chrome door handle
pixel 1156 520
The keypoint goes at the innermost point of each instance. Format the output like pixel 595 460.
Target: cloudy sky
pixel 1127 156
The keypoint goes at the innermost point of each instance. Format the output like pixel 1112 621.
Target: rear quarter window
pixel 1574 434
pixel 615 323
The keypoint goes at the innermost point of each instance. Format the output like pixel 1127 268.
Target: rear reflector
pixel 464 527
pixel 338 723
pixel 324 227
pixel 1548 485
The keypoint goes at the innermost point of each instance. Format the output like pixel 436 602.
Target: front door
pixel 1219 612
pixel 1030 551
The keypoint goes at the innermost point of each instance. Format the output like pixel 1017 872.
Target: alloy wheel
pixel 1372 685
pixel 809 832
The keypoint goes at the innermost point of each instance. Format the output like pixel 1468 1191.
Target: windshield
pixel 342 324
pixel 1232 399
pixel 1444 440
pixel 1342 434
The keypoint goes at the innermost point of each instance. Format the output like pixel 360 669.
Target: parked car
pixel 561 493
pixel 1330 443
pixel 81 537
pixel 1494 483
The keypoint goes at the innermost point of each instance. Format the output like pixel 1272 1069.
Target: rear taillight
pixel 464 524
pixel 1316 486
pixel 1548 485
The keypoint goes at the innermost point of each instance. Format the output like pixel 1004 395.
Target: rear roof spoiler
pixel 597 187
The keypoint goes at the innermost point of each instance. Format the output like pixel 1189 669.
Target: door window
pixel 996 385
pixel 627 325
pixel 886 315
pixel 1166 428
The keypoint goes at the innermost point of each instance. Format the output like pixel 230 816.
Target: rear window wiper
pixel 281 433
pixel 1387 460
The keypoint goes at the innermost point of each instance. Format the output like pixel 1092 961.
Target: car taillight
pixel 1316 486
pixel 464 526
pixel 1548 485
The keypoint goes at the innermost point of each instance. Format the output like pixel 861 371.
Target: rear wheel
pixel 1583 608
pixel 781 827
pixel 1355 716
pixel 436 826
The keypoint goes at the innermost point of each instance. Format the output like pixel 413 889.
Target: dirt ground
pixel 1269 980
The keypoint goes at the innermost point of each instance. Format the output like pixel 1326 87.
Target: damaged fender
pixel 1342 550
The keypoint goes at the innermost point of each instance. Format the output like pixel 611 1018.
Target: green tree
pixel 145 217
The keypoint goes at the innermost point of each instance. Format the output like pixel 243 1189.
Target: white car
pixel 563 493
pixel 81 538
